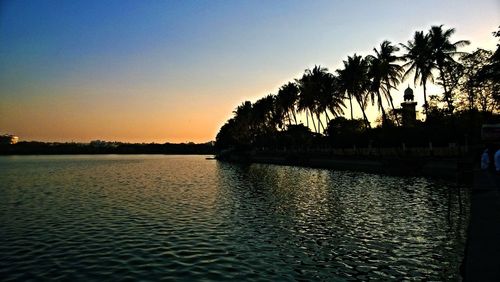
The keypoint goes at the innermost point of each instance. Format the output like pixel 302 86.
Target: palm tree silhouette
pixel 375 74
pixel 443 53
pixel 385 74
pixel 243 110
pixel 331 98
pixel 322 97
pixel 287 98
pixel 262 114
pixel 310 90
pixel 355 82
pixel 278 116
pixel 305 101
pixel 242 127
pixel 419 57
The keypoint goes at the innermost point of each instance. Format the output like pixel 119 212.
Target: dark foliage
pixel 470 98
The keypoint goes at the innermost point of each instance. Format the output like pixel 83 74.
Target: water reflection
pixel 346 224
pixel 182 217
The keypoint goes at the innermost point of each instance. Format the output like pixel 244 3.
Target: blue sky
pixel 174 70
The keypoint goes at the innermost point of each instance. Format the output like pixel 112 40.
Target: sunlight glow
pixel 174 72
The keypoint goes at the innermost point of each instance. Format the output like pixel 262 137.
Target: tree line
pixel 469 83
pixel 102 147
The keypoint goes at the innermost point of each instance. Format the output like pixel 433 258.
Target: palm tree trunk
pixel 361 105
pixel 350 104
pixel 312 119
pixel 294 117
pixel 289 118
pixel 426 106
pixel 447 96
pixel 366 119
pixel 320 124
pixel 384 117
pixel 391 102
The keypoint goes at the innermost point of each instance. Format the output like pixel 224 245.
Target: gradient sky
pixel 158 71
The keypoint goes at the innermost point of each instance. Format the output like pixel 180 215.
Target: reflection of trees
pixel 309 217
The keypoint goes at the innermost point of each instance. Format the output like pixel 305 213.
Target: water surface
pixel 187 218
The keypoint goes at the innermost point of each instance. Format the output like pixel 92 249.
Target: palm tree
pixel 278 113
pixel 385 73
pixel 323 98
pixel 375 74
pixel 443 52
pixel 310 88
pixel 306 100
pixel 242 128
pixel 355 82
pixel 262 113
pixel 419 57
pixel 243 112
pixel 287 98
pixel 331 97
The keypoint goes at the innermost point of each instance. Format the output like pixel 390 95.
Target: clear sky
pixel 158 71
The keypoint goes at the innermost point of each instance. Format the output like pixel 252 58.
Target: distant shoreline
pixel 40 148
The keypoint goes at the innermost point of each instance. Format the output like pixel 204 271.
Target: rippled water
pixel 187 218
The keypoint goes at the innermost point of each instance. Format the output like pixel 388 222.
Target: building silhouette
pixel 8 139
pixel 408 112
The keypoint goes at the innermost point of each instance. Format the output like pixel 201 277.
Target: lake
pixel 184 218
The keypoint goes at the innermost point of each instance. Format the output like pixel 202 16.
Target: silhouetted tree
pixel 310 91
pixel 472 84
pixel 354 81
pixel 491 72
pixel 384 73
pixel 443 52
pixel 263 115
pixel 420 61
pixel 242 128
pixel 343 132
pixel 226 137
pixel 331 98
pixel 287 98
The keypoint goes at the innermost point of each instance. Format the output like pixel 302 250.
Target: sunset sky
pixel 173 71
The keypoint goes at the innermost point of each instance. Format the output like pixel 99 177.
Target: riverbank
pixel 482 261
pixel 101 147
pixel 456 167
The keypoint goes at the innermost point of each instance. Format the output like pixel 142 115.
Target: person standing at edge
pixel 497 161
pixel 485 159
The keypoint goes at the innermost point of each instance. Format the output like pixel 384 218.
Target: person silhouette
pixel 485 159
pixel 497 161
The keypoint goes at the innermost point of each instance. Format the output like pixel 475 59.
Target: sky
pixel 173 71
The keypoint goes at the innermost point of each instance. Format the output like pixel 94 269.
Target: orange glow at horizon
pixel 143 119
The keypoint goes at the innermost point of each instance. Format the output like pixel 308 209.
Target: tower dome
pixel 408 96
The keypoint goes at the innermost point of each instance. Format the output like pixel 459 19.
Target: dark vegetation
pixel 470 97
pixel 100 147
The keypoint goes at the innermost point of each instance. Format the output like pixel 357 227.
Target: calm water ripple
pixel 184 218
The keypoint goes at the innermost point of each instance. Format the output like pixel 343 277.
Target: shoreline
pixel 39 148
pixel 106 153
pixel 459 169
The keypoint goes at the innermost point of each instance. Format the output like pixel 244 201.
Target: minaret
pixel 408 113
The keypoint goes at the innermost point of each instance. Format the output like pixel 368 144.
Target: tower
pixel 408 113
